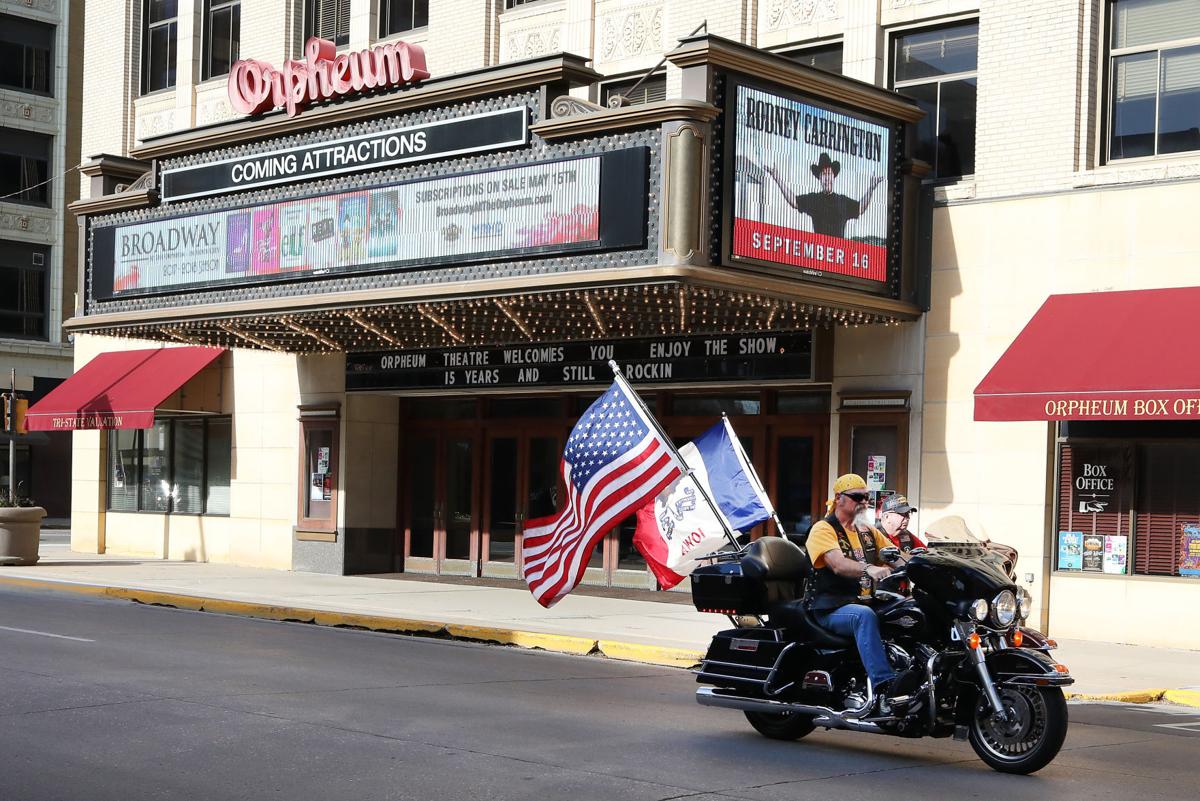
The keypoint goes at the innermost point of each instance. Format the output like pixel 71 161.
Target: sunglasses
pixel 857 497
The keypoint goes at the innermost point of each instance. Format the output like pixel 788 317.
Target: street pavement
pixel 655 631
pixel 103 699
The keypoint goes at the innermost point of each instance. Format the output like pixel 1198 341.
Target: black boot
pixel 883 706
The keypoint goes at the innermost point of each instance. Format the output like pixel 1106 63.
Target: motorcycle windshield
pixel 954 578
pixel 951 535
pixel 952 529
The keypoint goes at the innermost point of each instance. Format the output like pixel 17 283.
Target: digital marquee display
pixel 554 206
pixel 812 188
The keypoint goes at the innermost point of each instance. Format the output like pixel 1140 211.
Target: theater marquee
pixel 812 190
pixel 695 359
pixel 568 205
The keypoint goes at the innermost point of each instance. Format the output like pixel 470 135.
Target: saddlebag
pixel 771 572
pixel 745 659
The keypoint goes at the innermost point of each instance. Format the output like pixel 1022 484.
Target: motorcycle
pixel 966 663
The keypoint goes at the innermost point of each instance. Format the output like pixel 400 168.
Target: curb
pixel 1180 697
pixel 1131 697
pixel 558 643
pixel 1183 697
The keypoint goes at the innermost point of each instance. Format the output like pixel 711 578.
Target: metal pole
pixel 12 438
pixel 683 465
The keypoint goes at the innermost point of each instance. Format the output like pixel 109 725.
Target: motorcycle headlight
pixel 979 610
pixel 1024 604
pixel 1004 609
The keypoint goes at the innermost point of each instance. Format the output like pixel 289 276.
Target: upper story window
pixel 24 167
pixel 1154 78
pixel 26 55
pixel 222 37
pixel 826 57
pixel 23 279
pixel 160 29
pixel 937 68
pixel 511 4
pixel 327 19
pixel 398 16
pixel 650 90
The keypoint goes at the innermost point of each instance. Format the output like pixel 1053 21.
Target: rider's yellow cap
pixel 850 481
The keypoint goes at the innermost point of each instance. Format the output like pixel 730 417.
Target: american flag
pixel 615 462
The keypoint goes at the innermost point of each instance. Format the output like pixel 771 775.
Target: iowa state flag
pixel 679 527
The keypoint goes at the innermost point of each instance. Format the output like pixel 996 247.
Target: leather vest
pixel 828 590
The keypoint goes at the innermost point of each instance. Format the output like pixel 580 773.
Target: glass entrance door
pixel 796 478
pixel 440 502
pixel 421 504
pixel 460 543
pixel 523 484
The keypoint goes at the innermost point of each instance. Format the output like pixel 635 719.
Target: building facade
pixel 39 149
pixel 312 440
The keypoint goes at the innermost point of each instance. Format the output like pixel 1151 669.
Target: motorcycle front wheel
pixel 786 726
pixel 1029 737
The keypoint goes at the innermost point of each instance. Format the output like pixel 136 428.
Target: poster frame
pixel 891 287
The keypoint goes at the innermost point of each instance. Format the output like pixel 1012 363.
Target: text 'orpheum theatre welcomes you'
pixel 350 330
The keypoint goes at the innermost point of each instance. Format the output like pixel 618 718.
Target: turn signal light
pixel 1051 644
pixel 973 640
pixel 1017 638
pixel 1061 668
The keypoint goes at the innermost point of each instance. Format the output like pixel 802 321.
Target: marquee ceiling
pixel 668 308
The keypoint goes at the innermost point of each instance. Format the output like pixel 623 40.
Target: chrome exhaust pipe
pixel 822 715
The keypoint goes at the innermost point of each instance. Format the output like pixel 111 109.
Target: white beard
pixel 862 520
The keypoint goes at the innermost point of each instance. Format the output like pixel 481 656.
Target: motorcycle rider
pixel 895 515
pixel 844 549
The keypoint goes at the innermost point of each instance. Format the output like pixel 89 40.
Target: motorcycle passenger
pixel 844 549
pixel 895 516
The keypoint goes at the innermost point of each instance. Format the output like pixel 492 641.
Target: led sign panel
pixel 547 207
pixel 812 188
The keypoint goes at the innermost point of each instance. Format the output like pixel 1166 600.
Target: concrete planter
pixel 20 530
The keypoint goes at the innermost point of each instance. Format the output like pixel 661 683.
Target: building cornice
pixel 716 51
pixel 120 201
pixel 115 166
pixel 616 119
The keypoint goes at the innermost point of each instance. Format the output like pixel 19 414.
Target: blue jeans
pixel 860 622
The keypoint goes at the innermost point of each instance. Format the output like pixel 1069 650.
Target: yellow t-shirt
pixel 822 539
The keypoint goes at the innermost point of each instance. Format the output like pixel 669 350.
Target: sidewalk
pixel 642 630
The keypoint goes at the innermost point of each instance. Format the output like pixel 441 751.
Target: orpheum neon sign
pixel 255 86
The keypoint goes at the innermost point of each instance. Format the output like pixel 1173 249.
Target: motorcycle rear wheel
pixel 786 726
pixel 1032 736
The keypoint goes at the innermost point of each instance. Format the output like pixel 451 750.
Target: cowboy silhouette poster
pixel 812 187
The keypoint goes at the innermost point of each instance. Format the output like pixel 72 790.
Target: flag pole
pixel 679 460
pixel 753 475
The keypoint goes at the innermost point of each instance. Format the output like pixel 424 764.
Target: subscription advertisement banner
pixel 546 206
pixel 811 187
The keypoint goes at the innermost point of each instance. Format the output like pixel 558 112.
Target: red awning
pixel 1101 356
pixel 118 390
